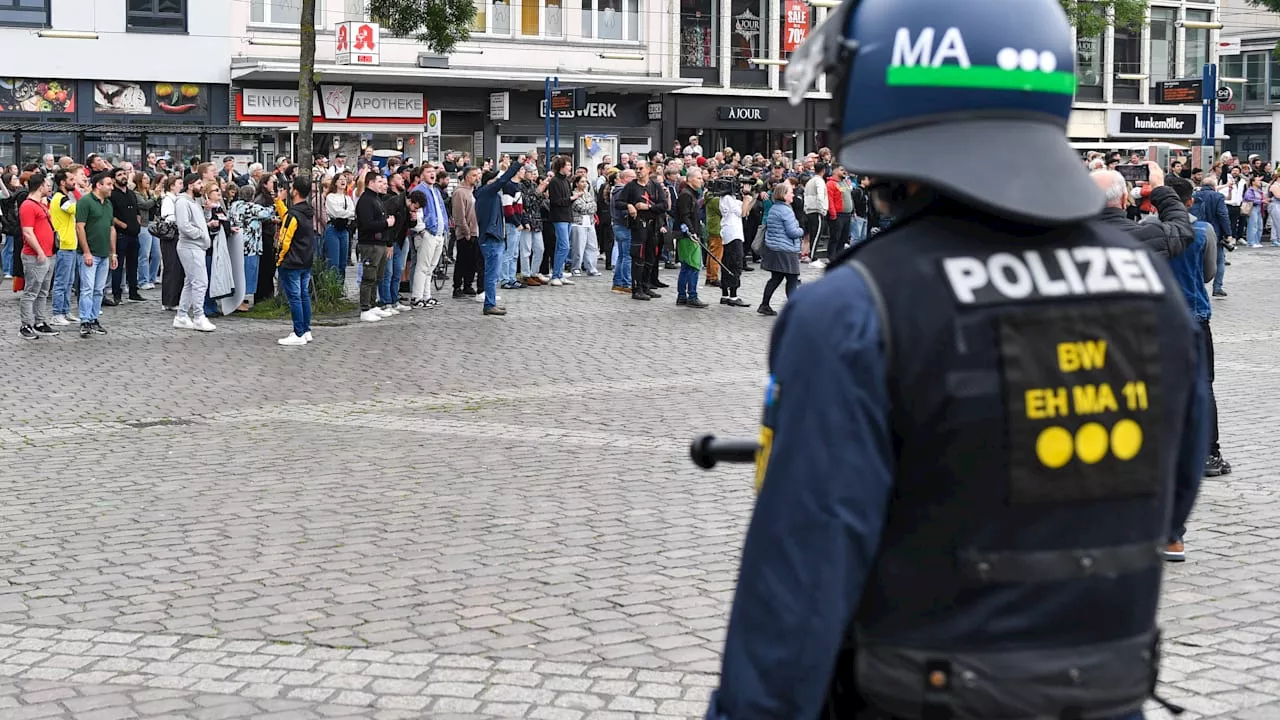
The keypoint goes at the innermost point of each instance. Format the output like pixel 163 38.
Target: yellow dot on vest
pixel 1126 439
pixel 1053 447
pixel 1091 443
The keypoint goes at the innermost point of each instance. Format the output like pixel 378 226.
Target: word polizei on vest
pixel 1061 272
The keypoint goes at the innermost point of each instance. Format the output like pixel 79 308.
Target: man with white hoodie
pixel 193 244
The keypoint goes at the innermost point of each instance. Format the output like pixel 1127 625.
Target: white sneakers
pixel 566 280
pixel 370 316
pixel 385 312
pixel 480 298
pixel 818 264
pixel 293 340
pixel 401 307
pixel 307 336
pixel 556 282
pixel 61 320
pixel 200 324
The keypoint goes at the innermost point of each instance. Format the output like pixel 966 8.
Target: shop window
pixel 537 14
pixel 1089 67
pixel 748 40
pixel 699 33
pixel 1164 46
pixel 168 15
pixel 611 19
pixel 1274 92
pixel 794 25
pixel 24 12
pixel 1197 48
pixel 278 12
pixel 1126 59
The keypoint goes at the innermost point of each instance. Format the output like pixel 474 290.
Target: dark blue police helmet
pixel 969 97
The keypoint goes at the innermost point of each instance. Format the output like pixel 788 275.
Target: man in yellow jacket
pixel 297 250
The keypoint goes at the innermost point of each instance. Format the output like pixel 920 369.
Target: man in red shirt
pixel 839 209
pixel 37 260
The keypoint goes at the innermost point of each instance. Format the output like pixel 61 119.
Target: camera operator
pixel 1170 234
pixel 737 202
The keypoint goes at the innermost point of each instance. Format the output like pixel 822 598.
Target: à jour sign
pixel 357 43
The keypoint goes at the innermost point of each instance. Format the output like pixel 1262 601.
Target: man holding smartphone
pixel 1168 236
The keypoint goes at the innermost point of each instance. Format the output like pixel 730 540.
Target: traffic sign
pixel 1225 94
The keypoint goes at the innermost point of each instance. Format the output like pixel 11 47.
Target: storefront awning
pixel 125 128
pixel 506 79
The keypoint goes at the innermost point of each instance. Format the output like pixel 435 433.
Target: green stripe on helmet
pixel 982 77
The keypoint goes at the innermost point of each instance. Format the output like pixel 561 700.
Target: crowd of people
pixel 216 240
pixel 1191 218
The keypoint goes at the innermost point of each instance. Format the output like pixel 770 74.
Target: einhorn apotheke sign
pixel 333 103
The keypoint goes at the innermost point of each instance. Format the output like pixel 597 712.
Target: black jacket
pixel 1166 238
pixel 687 215
pixel 124 205
pixel 394 205
pixel 560 195
pixel 371 220
pixel 298 238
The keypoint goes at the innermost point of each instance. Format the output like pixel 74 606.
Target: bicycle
pixel 441 274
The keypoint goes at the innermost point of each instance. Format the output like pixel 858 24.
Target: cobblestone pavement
pixel 451 516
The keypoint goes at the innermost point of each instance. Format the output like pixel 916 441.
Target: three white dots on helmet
pixel 1028 60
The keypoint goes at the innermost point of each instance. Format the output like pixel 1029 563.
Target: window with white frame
pixel 611 19
pixel 492 17
pixel 157 15
pixel 24 12
pixel 540 18
pixel 277 12
pixel 1196 51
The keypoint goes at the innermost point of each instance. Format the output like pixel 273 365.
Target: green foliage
pixel 1090 17
pixel 1272 5
pixel 328 297
pixel 438 24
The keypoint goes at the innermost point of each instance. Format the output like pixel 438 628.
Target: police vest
pixel 1039 379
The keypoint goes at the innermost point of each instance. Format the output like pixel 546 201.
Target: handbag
pixel 1246 208
pixel 163 229
pixel 757 243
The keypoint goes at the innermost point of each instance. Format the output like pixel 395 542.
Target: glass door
pixel 36 145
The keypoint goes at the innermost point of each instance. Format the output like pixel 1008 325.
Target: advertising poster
pixel 37 95
pixel 162 98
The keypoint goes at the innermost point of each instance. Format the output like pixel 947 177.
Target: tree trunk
pixel 306 86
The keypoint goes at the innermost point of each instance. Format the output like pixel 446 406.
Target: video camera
pixel 723 186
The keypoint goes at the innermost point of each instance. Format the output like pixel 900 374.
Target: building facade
pixel 1252 115
pixel 135 76
pixel 1118 73
pixel 486 96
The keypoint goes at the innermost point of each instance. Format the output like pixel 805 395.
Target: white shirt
pixel 730 219
pixel 1233 191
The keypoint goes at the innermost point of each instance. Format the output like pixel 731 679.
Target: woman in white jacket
pixel 340 210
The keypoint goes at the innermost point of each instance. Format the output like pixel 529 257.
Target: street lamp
pixel 1198 25
pixel 1131 76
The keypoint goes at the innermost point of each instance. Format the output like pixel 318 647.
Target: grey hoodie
pixel 189 217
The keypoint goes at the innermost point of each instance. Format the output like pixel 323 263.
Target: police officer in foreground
pixel 981 424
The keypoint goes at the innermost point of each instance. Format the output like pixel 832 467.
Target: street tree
pixel 1091 17
pixel 438 24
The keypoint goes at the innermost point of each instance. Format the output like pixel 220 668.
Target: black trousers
pixel 653 251
pixel 731 273
pixel 775 279
pixel 266 272
pixel 604 239
pixel 548 246
pixel 1234 220
pixel 467 251
pixel 126 265
pixel 641 254
pixel 1213 400
pixel 839 236
pixel 171 275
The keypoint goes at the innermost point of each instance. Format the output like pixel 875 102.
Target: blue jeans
pixel 622 244
pixel 492 250
pixel 296 286
pixel 93 282
pixel 389 288
pixel 337 249
pixel 687 282
pixel 1222 268
pixel 251 265
pixel 6 254
pixel 1253 231
pixel 64 274
pixel 562 250
pixel 211 308
pixel 148 257
pixel 510 253
pixel 857 230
